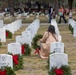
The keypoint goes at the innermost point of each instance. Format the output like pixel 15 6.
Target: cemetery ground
pixel 33 64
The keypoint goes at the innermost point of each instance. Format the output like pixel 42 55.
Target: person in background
pixel 50 10
pixel 61 14
pixel 48 37
pixel 70 14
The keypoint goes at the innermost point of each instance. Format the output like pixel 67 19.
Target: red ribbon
pixel 37 51
pixel 59 72
pixel 23 49
pixel 6 34
pixel 15 59
pixel 2 72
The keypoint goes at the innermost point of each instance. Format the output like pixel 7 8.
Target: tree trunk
pixel 56 5
pixel 70 2
pixel 11 5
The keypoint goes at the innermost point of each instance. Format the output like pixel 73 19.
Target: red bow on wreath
pixel 23 49
pixel 2 72
pixel 15 59
pixel 59 72
pixel 37 51
pixel 6 34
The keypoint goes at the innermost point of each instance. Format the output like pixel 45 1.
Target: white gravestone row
pixel 25 14
pixel 8 17
pixel 29 33
pixel 54 23
pixel 14 26
pixel 57 57
pixel 11 27
pixel 6 60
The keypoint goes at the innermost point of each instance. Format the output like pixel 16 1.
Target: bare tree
pixel 70 2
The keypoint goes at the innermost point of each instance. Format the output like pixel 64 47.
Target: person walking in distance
pixel 61 14
pixel 50 10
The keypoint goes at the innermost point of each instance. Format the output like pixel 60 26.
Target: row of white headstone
pixel 14 48
pixel 54 23
pixel 57 57
pixel 12 27
pixel 7 17
pixel 73 24
pixel 29 33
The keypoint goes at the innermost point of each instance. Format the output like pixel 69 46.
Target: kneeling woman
pixel 48 37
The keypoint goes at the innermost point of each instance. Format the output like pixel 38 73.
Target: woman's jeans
pixel 63 19
pixel 50 17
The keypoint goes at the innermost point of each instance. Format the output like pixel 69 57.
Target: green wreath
pixel 27 50
pixel 35 40
pixel 9 70
pixel 0 44
pixel 20 64
pixel 8 34
pixel 64 70
pixel 71 28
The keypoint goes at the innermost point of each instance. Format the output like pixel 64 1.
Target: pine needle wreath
pixel 35 40
pixel 8 34
pixel 20 62
pixel 9 70
pixel 65 70
pixel 27 49
pixel 0 44
pixel 70 28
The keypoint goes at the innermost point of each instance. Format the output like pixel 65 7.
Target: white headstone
pixel 57 47
pixel 1 23
pixel 2 34
pixel 14 48
pixel 6 60
pixel 20 39
pixel 27 16
pixel 58 60
pixel 74 30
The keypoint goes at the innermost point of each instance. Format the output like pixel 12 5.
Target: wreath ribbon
pixel 3 72
pixel 37 51
pixel 7 34
pixel 15 59
pixel 23 49
pixel 59 72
